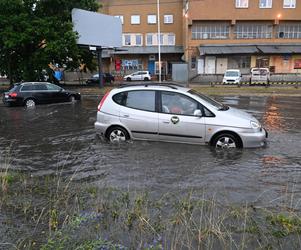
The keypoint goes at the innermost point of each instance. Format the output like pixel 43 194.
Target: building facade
pixel 140 38
pixel 241 34
pixel 210 35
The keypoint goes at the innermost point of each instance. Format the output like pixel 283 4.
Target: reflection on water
pixel 61 139
pixel 272 117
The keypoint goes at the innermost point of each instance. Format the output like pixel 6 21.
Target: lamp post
pixel 159 39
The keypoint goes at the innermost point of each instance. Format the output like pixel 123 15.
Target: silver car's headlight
pixel 255 125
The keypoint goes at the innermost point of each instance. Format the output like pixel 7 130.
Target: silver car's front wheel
pixel 225 141
pixel 117 134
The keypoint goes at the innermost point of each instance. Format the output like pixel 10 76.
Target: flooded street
pixel 60 139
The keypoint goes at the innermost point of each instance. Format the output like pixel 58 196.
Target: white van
pixel 260 75
pixel 232 76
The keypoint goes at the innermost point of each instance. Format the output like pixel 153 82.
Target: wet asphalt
pixel 60 138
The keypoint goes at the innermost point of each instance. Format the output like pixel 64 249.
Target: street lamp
pixel 159 39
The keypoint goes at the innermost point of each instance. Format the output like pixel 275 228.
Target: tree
pixel 34 33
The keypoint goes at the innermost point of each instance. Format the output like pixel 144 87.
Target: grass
pixel 221 90
pixel 60 213
pixel 218 90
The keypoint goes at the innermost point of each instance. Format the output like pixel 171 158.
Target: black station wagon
pixel 31 93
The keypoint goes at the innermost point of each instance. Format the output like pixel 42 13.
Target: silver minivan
pixel 172 113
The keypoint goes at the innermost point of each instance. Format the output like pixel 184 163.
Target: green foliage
pixel 34 33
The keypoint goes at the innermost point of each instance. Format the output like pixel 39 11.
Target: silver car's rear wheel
pixel 29 103
pixel 117 134
pixel 225 141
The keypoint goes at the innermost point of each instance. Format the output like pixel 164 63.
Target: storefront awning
pixel 249 49
pixel 225 50
pixel 151 50
pixel 279 49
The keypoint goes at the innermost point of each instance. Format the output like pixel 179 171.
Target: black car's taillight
pixel 13 94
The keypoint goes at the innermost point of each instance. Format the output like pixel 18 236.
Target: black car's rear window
pixel 15 88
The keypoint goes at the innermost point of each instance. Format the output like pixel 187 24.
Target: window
pixel 214 30
pixel 40 87
pixel 138 40
pixel 121 18
pixel 166 39
pixel 149 39
pixel 289 30
pixel 171 39
pixel 127 40
pixel 53 87
pixel 151 19
pixel 289 3
pixel 253 30
pixel 143 100
pixel 168 19
pixel 242 3
pixel 265 3
pixel 174 103
pixel 132 40
pixel 120 98
pixel 28 87
pixel 135 19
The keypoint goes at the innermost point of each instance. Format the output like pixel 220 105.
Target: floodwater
pixel 60 138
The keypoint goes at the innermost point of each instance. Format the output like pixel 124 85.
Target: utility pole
pixel 100 74
pixel 159 39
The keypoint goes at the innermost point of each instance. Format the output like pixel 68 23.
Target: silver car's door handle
pixel 167 122
pixel 126 116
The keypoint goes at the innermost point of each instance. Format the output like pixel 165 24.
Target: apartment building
pixel 140 34
pixel 241 34
pixel 210 35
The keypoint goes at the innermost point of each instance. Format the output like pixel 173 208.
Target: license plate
pixel 6 96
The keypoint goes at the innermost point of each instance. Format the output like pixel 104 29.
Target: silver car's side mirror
pixel 198 113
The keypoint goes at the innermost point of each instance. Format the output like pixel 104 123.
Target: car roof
pixel 28 83
pixel 154 86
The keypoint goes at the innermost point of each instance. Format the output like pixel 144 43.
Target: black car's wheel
pixel 128 79
pixel 29 103
pixel 72 99
pixel 117 134
pixel 225 141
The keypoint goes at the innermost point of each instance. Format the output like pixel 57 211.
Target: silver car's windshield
pixel 211 101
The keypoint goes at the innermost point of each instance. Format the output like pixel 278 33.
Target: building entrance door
pixel 221 65
pixel 151 67
pixel 210 65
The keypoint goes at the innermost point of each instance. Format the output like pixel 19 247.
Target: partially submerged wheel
pixel 117 134
pixel 72 99
pixel 29 103
pixel 225 141
pixel 128 79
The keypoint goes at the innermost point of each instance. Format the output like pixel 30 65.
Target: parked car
pixel 31 93
pixel 232 76
pixel 175 114
pixel 260 75
pixel 107 78
pixel 138 76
